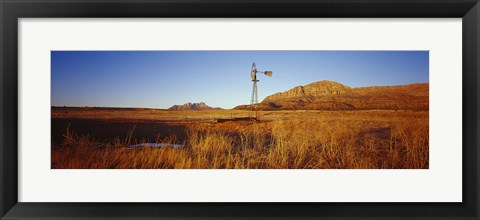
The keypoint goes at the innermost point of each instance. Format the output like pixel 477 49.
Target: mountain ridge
pixel 331 95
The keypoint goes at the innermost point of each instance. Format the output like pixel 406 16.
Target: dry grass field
pixel 101 138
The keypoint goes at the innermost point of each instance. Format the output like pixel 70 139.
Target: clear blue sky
pixel 160 79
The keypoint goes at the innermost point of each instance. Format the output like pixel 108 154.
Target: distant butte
pixel 192 106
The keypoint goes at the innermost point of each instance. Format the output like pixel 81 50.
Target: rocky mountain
pixel 192 106
pixel 329 95
pixel 316 89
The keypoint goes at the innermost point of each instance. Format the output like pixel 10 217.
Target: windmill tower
pixel 254 100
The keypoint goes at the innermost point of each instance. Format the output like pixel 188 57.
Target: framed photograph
pixel 226 109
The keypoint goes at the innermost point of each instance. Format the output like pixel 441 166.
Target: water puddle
pixel 156 145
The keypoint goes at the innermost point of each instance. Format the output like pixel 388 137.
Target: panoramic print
pixel 239 109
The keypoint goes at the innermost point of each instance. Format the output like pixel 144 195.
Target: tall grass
pixel 317 143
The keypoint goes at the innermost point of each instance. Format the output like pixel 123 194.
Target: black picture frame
pixel 11 10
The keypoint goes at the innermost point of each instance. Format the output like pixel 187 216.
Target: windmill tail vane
pixel 268 73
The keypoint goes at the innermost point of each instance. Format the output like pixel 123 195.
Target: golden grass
pixel 323 140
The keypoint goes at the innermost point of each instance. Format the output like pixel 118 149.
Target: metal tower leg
pixel 254 100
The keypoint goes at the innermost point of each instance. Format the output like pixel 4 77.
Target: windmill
pixel 254 100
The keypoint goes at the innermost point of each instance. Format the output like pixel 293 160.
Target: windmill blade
pixel 253 71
